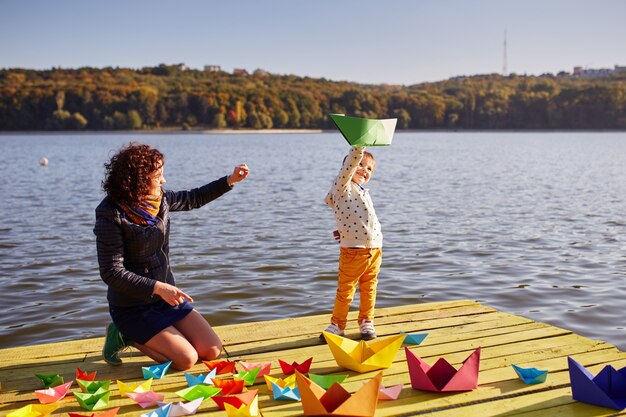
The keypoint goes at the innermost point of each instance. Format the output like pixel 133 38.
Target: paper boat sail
pixel 362 357
pixel 365 132
pixel 607 389
pixel 442 376
pixel 336 401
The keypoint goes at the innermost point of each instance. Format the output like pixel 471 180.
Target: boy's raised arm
pixel 350 164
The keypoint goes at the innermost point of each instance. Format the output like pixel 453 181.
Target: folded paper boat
pixel 266 367
pixel 290 368
pixel 365 132
pixel 34 410
pixel 362 357
pixel 530 376
pixel 336 401
pixel 442 376
pixel 236 400
pixel 155 371
pixel 607 389
pixel 53 394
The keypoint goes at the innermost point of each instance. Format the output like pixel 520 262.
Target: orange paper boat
pixel 442 376
pixel 337 401
pixel 229 386
pixel 222 367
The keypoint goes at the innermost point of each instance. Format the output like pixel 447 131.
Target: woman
pixel 132 236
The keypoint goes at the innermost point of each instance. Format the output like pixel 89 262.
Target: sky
pixel 373 42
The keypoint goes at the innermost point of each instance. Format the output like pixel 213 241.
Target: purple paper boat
pixel 607 389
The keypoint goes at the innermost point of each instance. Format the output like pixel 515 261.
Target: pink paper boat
pixel 54 394
pixel 145 399
pixel 442 376
pixel 266 367
pixel 389 393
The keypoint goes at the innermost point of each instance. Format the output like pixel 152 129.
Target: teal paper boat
pixel 365 132
pixel 414 338
pixel 530 375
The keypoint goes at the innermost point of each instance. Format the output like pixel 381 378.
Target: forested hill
pixel 166 96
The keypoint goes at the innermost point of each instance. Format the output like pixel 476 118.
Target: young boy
pixel 361 241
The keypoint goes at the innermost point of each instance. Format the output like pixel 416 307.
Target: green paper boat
pixel 92 386
pixel 326 381
pixel 198 391
pixel 95 401
pixel 365 132
pixel 248 376
pixel 50 380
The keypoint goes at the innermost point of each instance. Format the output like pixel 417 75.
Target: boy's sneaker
pixel 332 329
pixel 114 343
pixel 367 330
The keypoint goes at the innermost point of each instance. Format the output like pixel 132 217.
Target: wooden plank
pixel 455 330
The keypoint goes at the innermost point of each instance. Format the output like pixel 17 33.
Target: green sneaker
pixel 114 343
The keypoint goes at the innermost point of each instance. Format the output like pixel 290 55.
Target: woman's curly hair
pixel 129 173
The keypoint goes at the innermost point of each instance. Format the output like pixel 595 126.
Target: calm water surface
pixel 529 223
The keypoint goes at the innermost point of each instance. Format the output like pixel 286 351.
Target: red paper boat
pixel 442 376
pixel 289 369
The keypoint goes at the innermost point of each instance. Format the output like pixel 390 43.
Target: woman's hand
pixel 170 294
pixel 239 174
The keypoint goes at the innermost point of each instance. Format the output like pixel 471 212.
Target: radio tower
pixel 504 69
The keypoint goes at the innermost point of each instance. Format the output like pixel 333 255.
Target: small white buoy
pixel 43 161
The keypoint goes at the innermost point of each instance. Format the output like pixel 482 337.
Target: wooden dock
pixel 454 328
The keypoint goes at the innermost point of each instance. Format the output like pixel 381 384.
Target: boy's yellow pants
pixel 357 266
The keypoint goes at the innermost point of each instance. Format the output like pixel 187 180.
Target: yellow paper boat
pixel 34 410
pixel 289 381
pixel 362 357
pixel 316 401
pixel 133 387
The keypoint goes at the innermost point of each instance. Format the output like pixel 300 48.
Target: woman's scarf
pixel 144 213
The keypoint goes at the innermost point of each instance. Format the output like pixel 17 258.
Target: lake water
pixel 528 223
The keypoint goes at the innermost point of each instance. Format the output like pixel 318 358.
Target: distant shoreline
pixel 204 131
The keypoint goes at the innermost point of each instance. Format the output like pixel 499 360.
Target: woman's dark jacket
pixel 133 257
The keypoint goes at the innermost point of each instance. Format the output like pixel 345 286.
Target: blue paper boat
pixel 531 375
pixel 163 411
pixel 156 371
pixel 285 394
pixel 414 338
pixel 607 389
pixel 201 379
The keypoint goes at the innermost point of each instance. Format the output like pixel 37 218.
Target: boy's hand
pixel 240 173
pixel 336 234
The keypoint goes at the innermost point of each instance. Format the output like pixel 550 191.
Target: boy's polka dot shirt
pixel 356 219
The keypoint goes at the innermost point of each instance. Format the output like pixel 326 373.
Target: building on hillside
pixel 260 72
pixel 212 68
pixel 240 71
pixel 182 67
pixel 597 72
